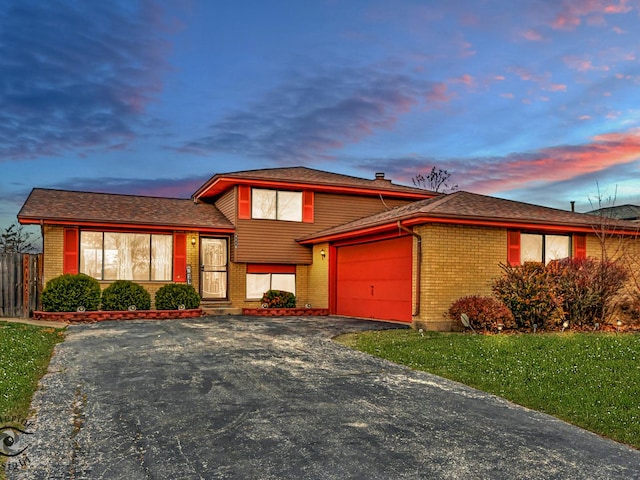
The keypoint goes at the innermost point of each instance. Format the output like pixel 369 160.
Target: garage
pixel 373 280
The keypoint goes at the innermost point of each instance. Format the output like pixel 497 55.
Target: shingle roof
pixel 621 212
pixel 309 176
pixel 86 207
pixel 471 207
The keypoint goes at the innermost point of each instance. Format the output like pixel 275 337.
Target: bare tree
pixel 14 239
pixel 437 180
pixel 603 226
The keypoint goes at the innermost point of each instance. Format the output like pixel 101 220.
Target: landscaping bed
pixel 101 315
pixel 285 312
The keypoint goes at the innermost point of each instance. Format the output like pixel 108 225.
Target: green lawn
pixel 25 351
pixel 590 380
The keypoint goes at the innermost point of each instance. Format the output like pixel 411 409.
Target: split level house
pixel 365 248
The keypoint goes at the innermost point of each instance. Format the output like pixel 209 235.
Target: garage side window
pixel 262 277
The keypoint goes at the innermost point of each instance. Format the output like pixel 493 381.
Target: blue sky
pixel 531 100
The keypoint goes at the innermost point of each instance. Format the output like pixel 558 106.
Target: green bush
pixel 527 291
pixel 278 299
pixel 484 313
pixel 68 292
pixel 123 294
pixel 586 288
pixel 175 295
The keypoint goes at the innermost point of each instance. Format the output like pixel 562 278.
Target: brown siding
pixel 227 204
pixel 272 241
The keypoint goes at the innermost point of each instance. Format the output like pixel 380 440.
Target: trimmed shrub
pixel 484 313
pixel 68 292
pixel 587 288
pixel 123 294
pixel 527 291
pixel 173 296
pixel 278 299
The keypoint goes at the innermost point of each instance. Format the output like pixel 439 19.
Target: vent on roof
pixel 379 175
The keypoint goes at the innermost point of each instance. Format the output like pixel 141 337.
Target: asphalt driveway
pixel 249 398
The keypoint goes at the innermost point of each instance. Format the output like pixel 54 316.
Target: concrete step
pixel 216 308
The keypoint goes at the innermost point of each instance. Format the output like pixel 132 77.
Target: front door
pixel 213 268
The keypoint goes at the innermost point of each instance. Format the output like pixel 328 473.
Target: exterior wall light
pixel 323 254
pixel 193 241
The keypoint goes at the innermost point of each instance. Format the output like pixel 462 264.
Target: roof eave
pixel 27 220
pixel 218 185
pixel 420 219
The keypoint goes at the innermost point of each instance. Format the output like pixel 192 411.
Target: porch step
pixel 217 308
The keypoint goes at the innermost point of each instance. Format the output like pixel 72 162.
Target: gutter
pixel 416 311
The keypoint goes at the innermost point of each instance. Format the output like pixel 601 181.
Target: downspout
pixel 416 311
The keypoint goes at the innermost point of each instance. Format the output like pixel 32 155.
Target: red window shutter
pixel 179 257
pixel 580 246
pixel 513 247
pixel 70 248
pixel 244 201
pixel 307 206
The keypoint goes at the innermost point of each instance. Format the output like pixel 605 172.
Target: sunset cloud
pixel 532 35
pixel 70 80
pixel 574 11
pixel 313 115
pixel 582 64
pixel 521 171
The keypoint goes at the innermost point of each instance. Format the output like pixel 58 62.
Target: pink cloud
pixel 507 95
pixel 558 87
pixel 532 36
pixel 582 64
pixel 465 79
pixel 552 164
pixel 439 93
pixel 594 11
pixel 499 77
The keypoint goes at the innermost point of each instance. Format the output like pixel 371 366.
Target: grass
pixel 25 352
pixel 590 380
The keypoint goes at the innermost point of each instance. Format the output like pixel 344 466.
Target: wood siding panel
pixel 227 204
pixel 273 241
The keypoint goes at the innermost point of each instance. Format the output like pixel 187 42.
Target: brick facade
pixel 52 249
pixel 456 261
pixel 318 278
pixel 53 258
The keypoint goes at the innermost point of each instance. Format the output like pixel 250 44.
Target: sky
pixel 531 100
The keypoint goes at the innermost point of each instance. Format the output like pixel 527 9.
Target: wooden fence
pixel 20 284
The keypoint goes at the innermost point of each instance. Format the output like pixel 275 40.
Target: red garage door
pixel 373 280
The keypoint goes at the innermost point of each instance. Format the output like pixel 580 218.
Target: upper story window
pixel 276 205
pixel 262 203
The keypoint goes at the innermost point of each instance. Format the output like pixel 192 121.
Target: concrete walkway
pixel 30 321
pixel 249 398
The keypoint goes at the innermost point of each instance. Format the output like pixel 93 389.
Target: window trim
pixel 576 248
pixel 277 204
pixel 172 260
pixel 268 269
